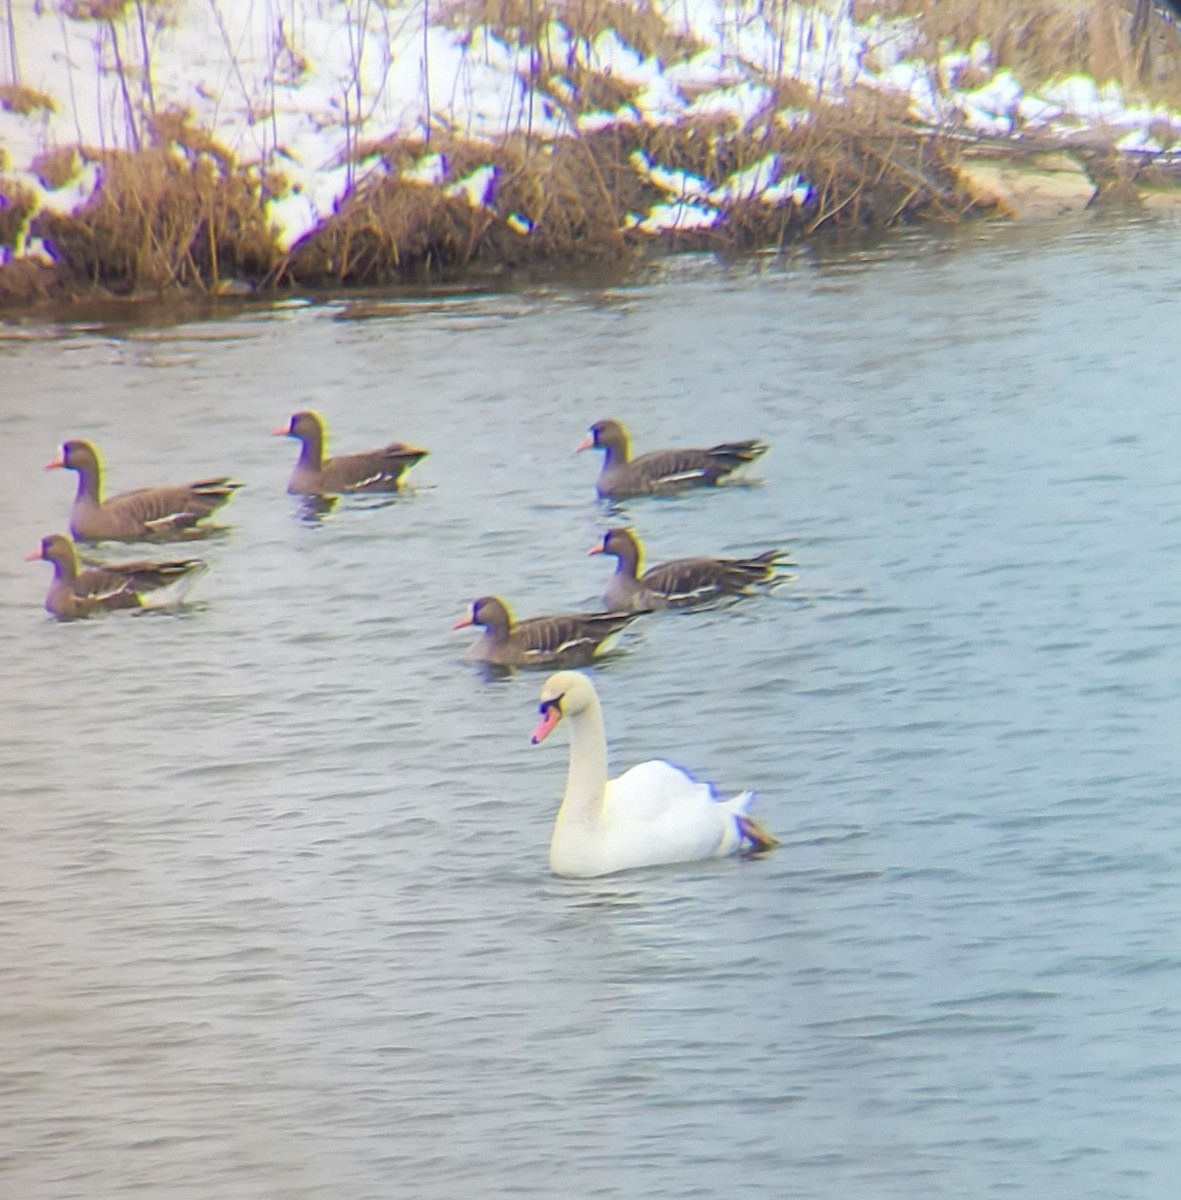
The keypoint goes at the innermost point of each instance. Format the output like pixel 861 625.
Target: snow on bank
pixel 300 85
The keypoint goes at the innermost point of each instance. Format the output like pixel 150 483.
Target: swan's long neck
pixel 586 780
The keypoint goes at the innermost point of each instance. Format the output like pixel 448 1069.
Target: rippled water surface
pixel 275 913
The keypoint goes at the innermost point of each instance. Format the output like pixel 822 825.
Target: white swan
pixel 654 813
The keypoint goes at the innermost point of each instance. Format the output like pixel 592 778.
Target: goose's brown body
pixel 662 471
pixel 150 513
pixel 366 471
pixel 564 639
pixel 681 582
pixel 80 591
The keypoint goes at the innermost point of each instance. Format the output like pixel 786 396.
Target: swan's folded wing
pixel 666 814
pixel 652 790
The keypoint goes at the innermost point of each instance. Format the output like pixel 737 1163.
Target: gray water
pixel 275 913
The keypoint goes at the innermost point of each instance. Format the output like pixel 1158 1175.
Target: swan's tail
pixel 755 834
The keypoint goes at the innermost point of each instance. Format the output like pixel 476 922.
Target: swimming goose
pixel 661 471
pixel 653 813
pixel 366 471
pixel 681 582
pixel 78 593
pixel 143 513
pixel 564 640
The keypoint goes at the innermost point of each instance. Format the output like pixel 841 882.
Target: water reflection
pixel 311 510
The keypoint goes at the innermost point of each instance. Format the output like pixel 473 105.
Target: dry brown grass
pixel 25 100
pixel 17 202
pixel 513 21
pixel 867 169
pixel 1042 40
pixel 57 167
pixel 391 228
pixel 639 23
pixel 174 127
pixel 594 91
pixel 95 10
pixel 25 282
pixel 162 219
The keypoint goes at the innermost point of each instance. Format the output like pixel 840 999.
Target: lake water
pixel 275 913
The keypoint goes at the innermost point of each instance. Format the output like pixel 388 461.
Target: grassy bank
pixel 590 167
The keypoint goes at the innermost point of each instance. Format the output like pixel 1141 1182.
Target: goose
pixel 653 813
pixel 661 471
pixel 144 513
pixel 681 582
pixel 78 592
pixel 365 471
pixel 565 639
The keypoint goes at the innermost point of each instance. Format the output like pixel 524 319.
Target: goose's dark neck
pixel 65 568
pixel 627 561
pixel 311 450
pixel 89 482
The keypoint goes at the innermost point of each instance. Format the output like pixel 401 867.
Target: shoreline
pixel 646 129
pixel 430 237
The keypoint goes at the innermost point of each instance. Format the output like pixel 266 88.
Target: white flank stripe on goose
pixel 695 473
pixel 372 479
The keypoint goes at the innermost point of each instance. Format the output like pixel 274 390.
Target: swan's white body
pixel 653 813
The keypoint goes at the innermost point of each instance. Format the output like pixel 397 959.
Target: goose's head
pixel 564 694
pixel 490 612
pixel 619 543
pixel 57 549
pixel 77 455
pixel 605 435
pixel 306 425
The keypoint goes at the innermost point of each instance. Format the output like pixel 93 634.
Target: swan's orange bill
pixel 60 461
pixel 597 548
pixel 545 726
pixel 33 556
pixel 463 621
pixel 282 431
pixel 587 443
